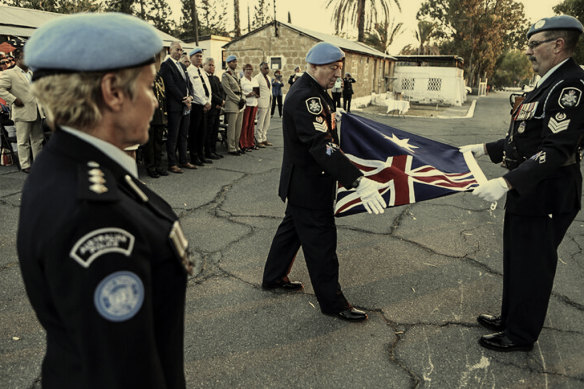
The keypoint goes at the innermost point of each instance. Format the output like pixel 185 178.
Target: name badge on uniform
pixel 181 247
pixel 521 128
pixel 526 111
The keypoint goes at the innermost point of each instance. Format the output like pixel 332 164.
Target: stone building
pixel 284 46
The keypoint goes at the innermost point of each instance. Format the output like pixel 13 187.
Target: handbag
pixel 241 103
pixel 5 157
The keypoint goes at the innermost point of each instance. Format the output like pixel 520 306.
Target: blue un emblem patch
pixel 119 296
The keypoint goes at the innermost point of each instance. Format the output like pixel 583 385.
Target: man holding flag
pixel 543 184
pixel 312 164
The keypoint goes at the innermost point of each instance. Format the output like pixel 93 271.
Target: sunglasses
pixel 533 44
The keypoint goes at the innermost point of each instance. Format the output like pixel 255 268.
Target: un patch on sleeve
pixel 119 296
pixel 102 241
pixel 570 97
pixel 314 105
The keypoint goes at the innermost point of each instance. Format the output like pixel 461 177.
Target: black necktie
pixel 203 81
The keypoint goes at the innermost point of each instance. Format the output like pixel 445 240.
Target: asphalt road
pixel 422 272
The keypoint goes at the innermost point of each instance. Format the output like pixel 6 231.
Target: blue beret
pixel 560 22
pixel 323 53
pixel 195 51
pixel 91 42
pixel 231 58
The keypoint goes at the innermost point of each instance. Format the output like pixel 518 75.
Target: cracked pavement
pixel 423 273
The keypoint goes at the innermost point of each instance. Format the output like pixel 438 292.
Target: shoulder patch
pixel 570 97
pixel 322 127
pixel 119 296
pixel 314 105
pixel 102 241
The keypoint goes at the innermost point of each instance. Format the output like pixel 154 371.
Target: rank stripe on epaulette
pixel 322 127
pixel 556 126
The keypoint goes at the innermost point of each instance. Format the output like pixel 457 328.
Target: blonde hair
pixel 75 99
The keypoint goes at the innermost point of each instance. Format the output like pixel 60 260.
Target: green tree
pixel 383 35
pixel 261 14
pixel 574 8
pixel 513 68
pixel 212 17
pixel 124 6
pixel 160 15
pixel 59 6
pixel 477 30
pixel 424 34
pixel 363 14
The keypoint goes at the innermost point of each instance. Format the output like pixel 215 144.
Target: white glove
pixel 492 190
pixel 338 114
pixel 368 190
pixel 477 150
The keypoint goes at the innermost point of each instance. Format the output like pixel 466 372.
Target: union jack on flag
pixel 410 168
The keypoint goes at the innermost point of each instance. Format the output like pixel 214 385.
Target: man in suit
pixel 26 112
pixel 103 258
pixel 264 105
pixel 543 184
pixel 312 164
pixel 233 111
pixel 217 103
pixel 199 108
pixel 178 105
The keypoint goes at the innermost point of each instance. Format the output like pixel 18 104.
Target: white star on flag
pixel 403 143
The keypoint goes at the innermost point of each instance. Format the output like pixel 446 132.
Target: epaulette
pixel 96 183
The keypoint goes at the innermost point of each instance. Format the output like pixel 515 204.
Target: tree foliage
pixel 211 17
pixel 261 14
pixel 363 14
pixel 124 6
pixel 383 35
pixel 478 30
pixel 59 6
pixel 159 14
pixel 512 69
pixel 574 8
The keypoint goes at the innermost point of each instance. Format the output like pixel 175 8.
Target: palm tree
pixel 424 33
pixel 383 35
pixel 362 13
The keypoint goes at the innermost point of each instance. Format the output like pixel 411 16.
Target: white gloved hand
pixel 338 115
pixel 477 150
pixel 368 190
pixel 492 190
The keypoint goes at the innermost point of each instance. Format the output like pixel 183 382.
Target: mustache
pixel 532 58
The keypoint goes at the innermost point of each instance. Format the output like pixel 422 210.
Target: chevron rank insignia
pixel 558 123
pixel 322 126
pixel 570 97
pixel 314 105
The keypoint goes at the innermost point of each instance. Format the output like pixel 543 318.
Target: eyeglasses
pixel 3 63
pixel 533 44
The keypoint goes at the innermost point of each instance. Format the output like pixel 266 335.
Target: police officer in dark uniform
pixel 103 258
pixel 543 184
pixel 312 165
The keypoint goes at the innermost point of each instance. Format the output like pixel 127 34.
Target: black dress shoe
pixel 219 156
pixel 211 156
pixel 162 172
pixel 500 342
pixel 235 153
pixel 198 162
pixel 153 173
pixel 288 286
pixel 206 160
pixel 351 314
pixel 491 322
pixel 26 170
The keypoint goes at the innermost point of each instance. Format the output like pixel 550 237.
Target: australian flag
pixel 410 168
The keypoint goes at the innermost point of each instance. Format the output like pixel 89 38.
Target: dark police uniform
pixel 312 165
pixel 103 268
pixel 541 150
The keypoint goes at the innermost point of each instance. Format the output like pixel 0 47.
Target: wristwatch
pixel 356 182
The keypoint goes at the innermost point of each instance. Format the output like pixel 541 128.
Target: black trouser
pixel 530 245
pixel 197 132
pixel 347 102
pixel 178 129
pixel 152 150
pixel 337 99
pixel 316 232
pixel 212 131
pixel 277 99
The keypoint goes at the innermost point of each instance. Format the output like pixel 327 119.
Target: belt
pixel 570 161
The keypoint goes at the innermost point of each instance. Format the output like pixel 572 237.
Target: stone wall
pixel 291 48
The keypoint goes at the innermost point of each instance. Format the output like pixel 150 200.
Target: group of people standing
pixel 343 87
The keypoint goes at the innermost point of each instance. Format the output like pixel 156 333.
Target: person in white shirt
pixel 264 105
pixel 250 90
pixel 201 105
